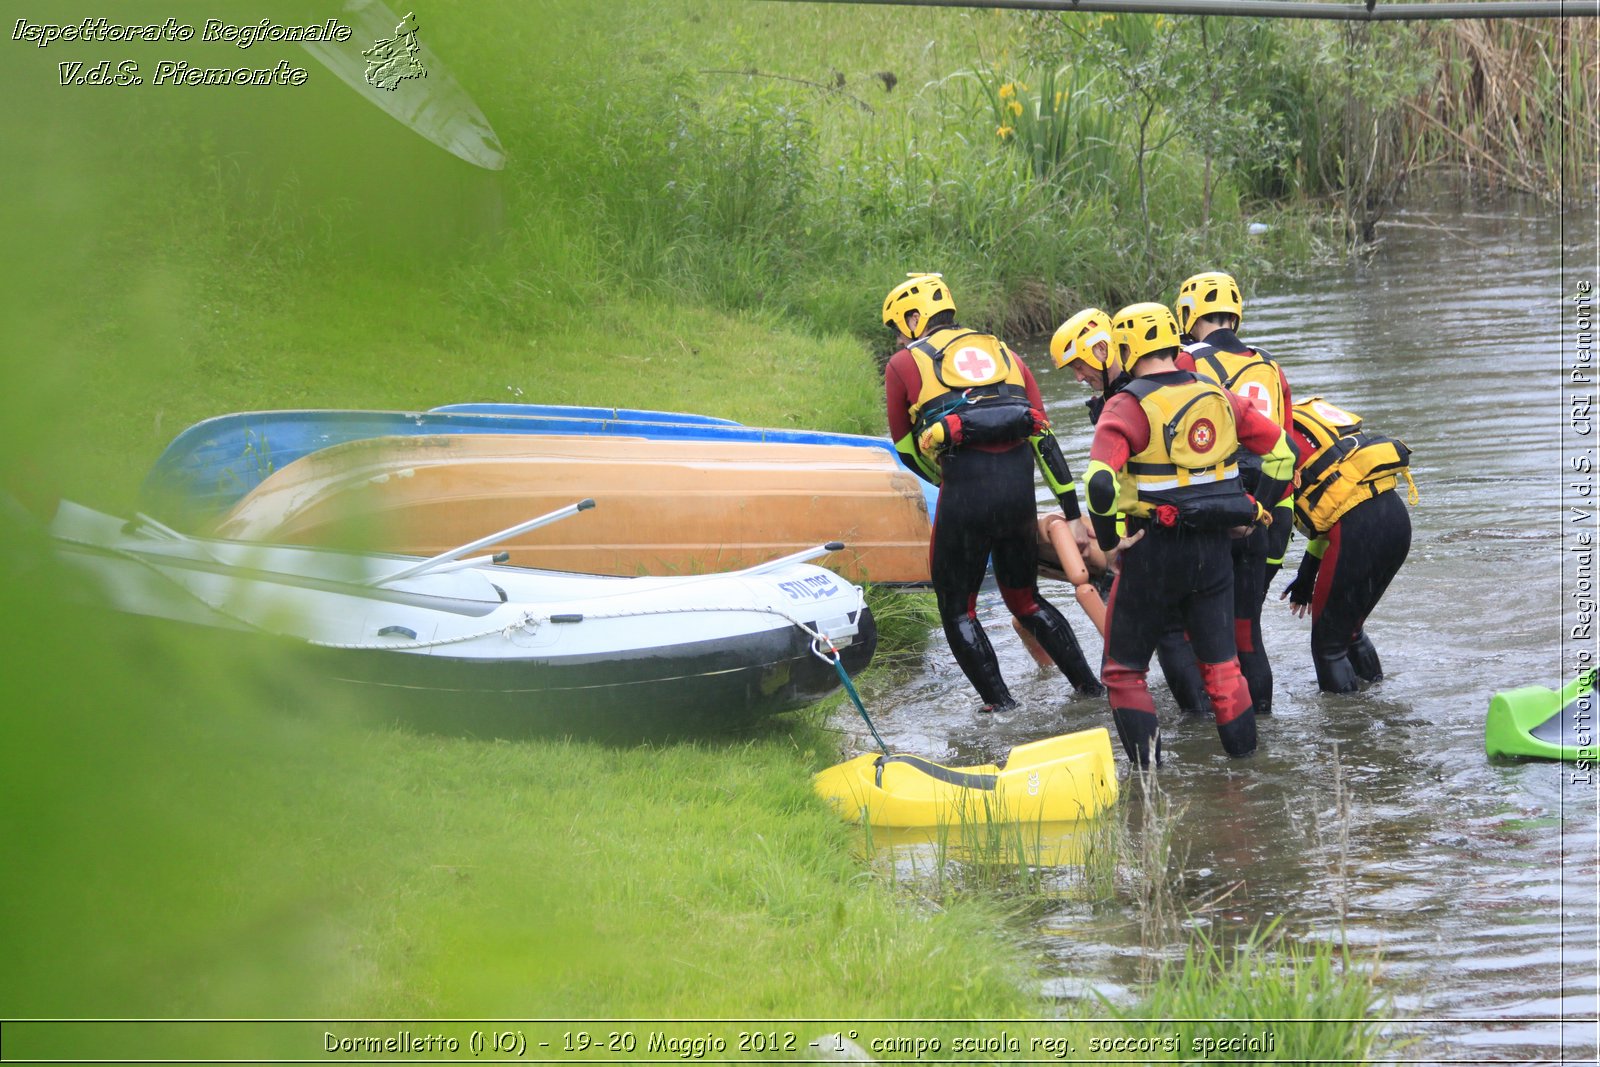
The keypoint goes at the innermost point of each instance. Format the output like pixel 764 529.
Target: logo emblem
pixel 1331 414
pixel 975 364
pixel 1256 393
pixel 1202 435
pixel 394 59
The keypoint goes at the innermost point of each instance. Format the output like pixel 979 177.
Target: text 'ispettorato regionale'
pixel 177 72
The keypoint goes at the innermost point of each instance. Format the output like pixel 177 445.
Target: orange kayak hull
pixel 662 506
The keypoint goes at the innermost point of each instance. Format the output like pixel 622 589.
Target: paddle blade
pixel 420 93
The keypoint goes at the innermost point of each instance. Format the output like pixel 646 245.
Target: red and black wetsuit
pixel 1252 572
pixel 1365 550
pixel 1177 660
pixel 986 508
pixel 1173 572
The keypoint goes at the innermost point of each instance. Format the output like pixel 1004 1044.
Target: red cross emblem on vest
pixel 975 364
pixel 1256 393
pixel 1202 435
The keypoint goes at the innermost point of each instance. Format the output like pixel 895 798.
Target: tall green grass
pixel 802 174
pixel 1315 999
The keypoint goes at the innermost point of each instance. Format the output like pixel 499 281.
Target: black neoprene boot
pixel 1056 637
pixel 1140 732
pixel 1364 659
pixel 1239 733
pixel 1334 671
pixel 977 660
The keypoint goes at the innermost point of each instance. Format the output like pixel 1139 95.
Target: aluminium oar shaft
pixel 434 562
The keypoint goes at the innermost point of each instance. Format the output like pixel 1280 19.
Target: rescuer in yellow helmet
pixel 1360 535
pixel 1163 456
pixel 1083 345
pixel 1209 312
pixel 965 413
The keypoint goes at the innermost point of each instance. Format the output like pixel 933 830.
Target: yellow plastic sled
pixel 1058 779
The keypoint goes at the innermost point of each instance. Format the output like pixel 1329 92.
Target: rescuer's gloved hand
pixel 1299 590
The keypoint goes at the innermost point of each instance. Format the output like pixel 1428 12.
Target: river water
pixel 1475 881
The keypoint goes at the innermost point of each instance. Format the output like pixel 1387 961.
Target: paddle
pixel 430 102
pixel 434 563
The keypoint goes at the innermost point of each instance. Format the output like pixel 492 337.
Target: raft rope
pixel 530 622
pixel 850 687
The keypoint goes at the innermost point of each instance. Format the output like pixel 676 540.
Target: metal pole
pixel 434 563
pixel 794 557
pixel 1283 9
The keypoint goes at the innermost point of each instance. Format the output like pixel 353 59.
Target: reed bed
pixel 1516 104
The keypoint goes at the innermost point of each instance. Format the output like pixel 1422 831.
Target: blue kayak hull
pixel 576 412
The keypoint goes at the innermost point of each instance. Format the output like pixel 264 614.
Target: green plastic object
pixel 1538 723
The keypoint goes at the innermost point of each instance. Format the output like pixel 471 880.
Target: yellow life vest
pixel 1252 375
pixel 963 371
pixel 1348 465
pixel 1189 461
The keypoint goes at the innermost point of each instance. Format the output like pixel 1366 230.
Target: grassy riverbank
pixel 199 831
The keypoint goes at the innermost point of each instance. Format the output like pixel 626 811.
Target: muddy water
pixel 1476 881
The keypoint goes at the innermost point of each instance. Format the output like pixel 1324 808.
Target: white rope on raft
pixel 529 623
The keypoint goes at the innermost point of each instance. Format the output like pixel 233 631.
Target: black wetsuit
pixel 1172 575
pixel 1366 548
pixel 1177 658
pixel 1176 574
pixel 986 507
pixel 1173 653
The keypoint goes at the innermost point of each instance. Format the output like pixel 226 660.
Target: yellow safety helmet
pixel 1076 338
pixel 926 294
pixel 1207 293
pixel 1140 329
